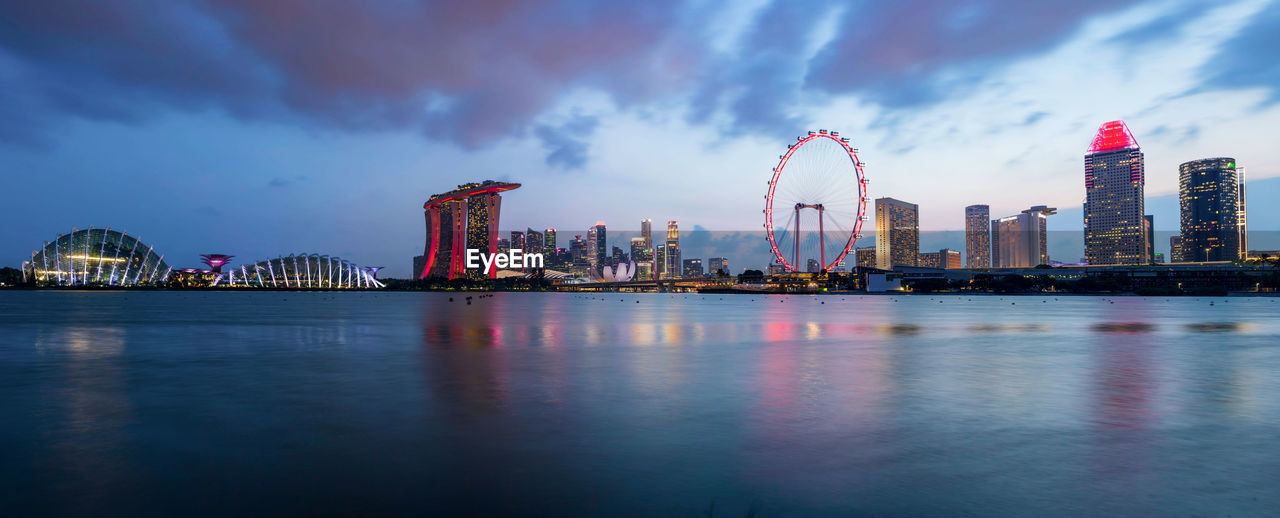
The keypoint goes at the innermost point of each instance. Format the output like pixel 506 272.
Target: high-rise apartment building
pixel 674 265
pixel 1021 241
pixel 1209 199
pixel 1114 179
pixel 977 236
pixel 897 233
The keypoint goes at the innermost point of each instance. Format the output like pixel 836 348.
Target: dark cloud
pixel 355 65
pixel 567 144
pixel 1251 59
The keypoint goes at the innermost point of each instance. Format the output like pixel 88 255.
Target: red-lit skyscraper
pixel 1114 229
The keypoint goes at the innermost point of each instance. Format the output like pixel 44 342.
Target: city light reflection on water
pixel 653 404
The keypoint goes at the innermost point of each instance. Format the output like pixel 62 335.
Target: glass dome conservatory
pixel 302 271
pixel 101 257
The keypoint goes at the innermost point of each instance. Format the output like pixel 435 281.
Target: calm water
pixel 664 405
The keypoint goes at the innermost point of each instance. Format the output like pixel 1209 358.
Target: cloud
pixel 366 66
pixel 567 144
pixel 1251 59
pixel 903 54
pixel 281 181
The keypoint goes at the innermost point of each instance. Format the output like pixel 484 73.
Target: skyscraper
pixel 1021 240
pixel 1114 180
pixel 1175 249
pixel 865 256
pixel 1209 199
pixel 597 247
pixel 532 241
pixel 716 264
pixel 897 233
pixel 466 217
pixel 549 241
pixel 660 262
pixel 517 239
pixel 1149 227
pixel 646 232
pixel 673 250
pixel 977 236
pixel 692 268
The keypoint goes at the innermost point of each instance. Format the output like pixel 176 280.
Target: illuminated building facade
pixel 517 239
pixel 812 266
pixel 597 246
pixel 945 258
pixel 1114 180
pixel 692 268
pixel 1209 202
pixel 533 242
pixel 865 256
pixel 673 267
pixel 897 233
pixel 646 232
pixel 660 262
pixel 549 241
pixel 977 236
pixel 1021 241
pixel 466 217
pixel 97 257
pixel 1175 249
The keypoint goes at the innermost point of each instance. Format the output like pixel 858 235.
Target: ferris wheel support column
pixel 822 246
pixel 795 259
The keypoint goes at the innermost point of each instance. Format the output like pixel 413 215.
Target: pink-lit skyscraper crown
pixel 1113 136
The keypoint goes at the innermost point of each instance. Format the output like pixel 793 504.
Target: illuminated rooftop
pixel 468 190
pixel 1113 136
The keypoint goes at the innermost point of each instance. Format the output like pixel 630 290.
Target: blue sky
pixel 264 128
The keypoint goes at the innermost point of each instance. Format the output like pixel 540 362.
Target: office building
pixel 897 233
pixel 549 241
pixel 1209 203
pixel 977 236
pixel 532 241
pixel 1175 249
pixel 646 232
pixel 1149 227
pixel 660 262
pixel 717 264
pixel 1021 241
pixel 597 246
pixel 1114 179
pixel 673 250
pixel 692 268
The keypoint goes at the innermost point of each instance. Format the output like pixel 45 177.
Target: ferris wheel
pixel 817 182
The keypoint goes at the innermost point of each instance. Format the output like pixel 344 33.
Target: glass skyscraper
pixel 1114 179
pixel 1209 199
pixel 674 265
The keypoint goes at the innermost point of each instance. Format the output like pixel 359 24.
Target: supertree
pixel 215 261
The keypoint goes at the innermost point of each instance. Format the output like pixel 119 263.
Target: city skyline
pixel 260 157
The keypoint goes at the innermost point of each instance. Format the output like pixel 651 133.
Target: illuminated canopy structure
pixel 216 261
pixel 100 257
pixel 301 271
pixel 466 217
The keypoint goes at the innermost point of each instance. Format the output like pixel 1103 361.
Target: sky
pixel 266 128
